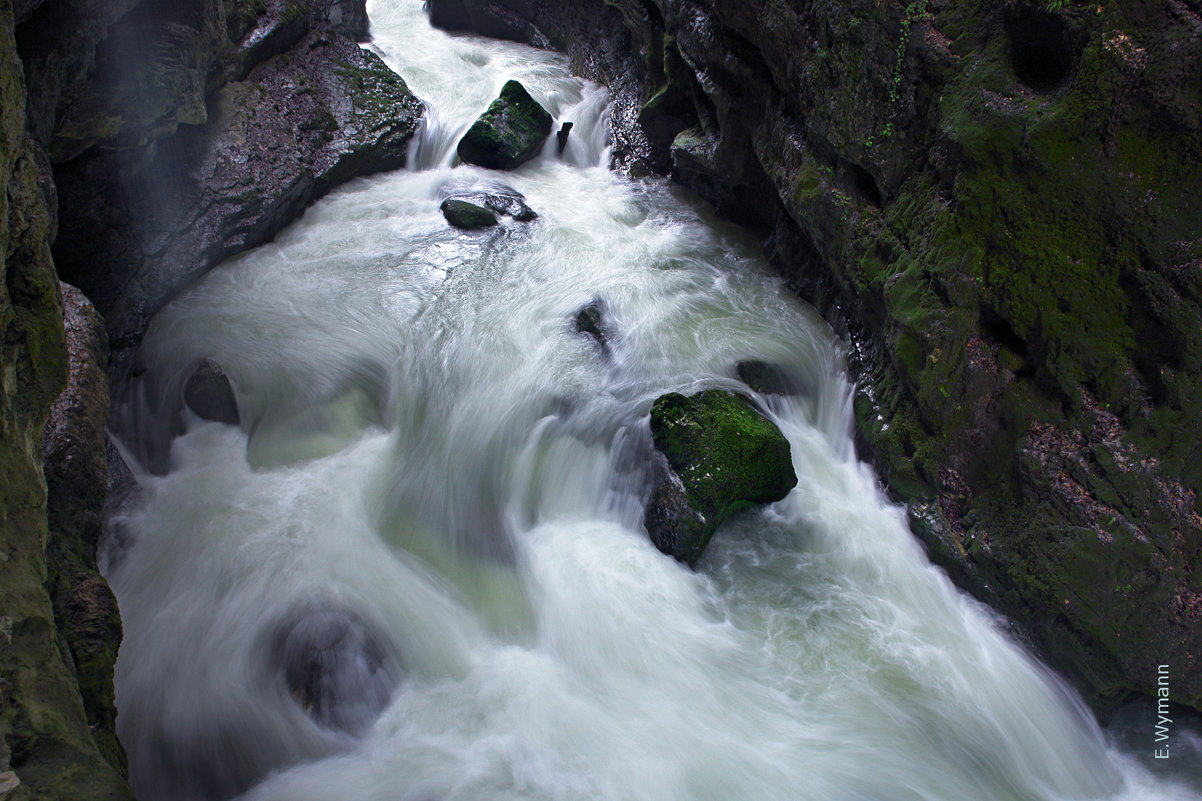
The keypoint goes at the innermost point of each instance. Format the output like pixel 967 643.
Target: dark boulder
pixel 509 133
pixel 503 200
pixel 466 215
pixel 561 135
pixel 209 394
pixel 481 16
pixel 769 379
pixel 590 321
pixel 718 455
pixel 510 204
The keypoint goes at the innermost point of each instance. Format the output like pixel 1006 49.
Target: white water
pixel 432 459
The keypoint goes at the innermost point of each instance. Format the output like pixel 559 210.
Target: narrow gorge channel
pixel 416 568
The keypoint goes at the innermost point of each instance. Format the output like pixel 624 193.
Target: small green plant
pixel 914 12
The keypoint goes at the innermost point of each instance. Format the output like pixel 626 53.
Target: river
pixel 416 571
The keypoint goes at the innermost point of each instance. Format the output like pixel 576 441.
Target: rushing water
pixel 417 570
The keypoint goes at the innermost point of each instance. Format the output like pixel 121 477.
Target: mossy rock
pixel 509 133
pixel 721 455
pixel 467 216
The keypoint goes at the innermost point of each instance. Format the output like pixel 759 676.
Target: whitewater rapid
pixel 437 486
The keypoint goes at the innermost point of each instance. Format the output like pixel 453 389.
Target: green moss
pixel 467 216
pixel 727 457
pixel 509 133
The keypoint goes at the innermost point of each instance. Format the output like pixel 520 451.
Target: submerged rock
pixel 769 379
pixel 468 216
pixel 209 394
pixel 510 204
pixel 500 200
pixel 509 133
pixel 590 321
pixel 718 455
pixel 336 669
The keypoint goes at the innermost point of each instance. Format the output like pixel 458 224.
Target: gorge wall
pixel 143 143
pixel 995 202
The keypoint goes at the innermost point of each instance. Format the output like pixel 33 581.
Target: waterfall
pixel 416 570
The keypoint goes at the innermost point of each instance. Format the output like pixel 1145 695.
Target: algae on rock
pixel 467 216
pixel 509 133
pixel 720 455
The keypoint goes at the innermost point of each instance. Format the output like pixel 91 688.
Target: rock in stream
pixel 716 455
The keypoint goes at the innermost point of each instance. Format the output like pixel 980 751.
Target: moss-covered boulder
pixel 509 133
pixel 468 216
pixel 718 455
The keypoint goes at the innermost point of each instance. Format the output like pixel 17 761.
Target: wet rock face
pixel 719 455
pixel 73 440
pixel 509 133
pixel 48 747
pixel 76 470
pixel 289 107
pixel 349 17
pixel 493 20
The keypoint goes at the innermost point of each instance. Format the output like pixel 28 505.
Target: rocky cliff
pixel 144 142
pixel 995 202
pixel 46 748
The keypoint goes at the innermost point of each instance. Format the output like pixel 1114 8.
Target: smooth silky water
pixel 435 497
